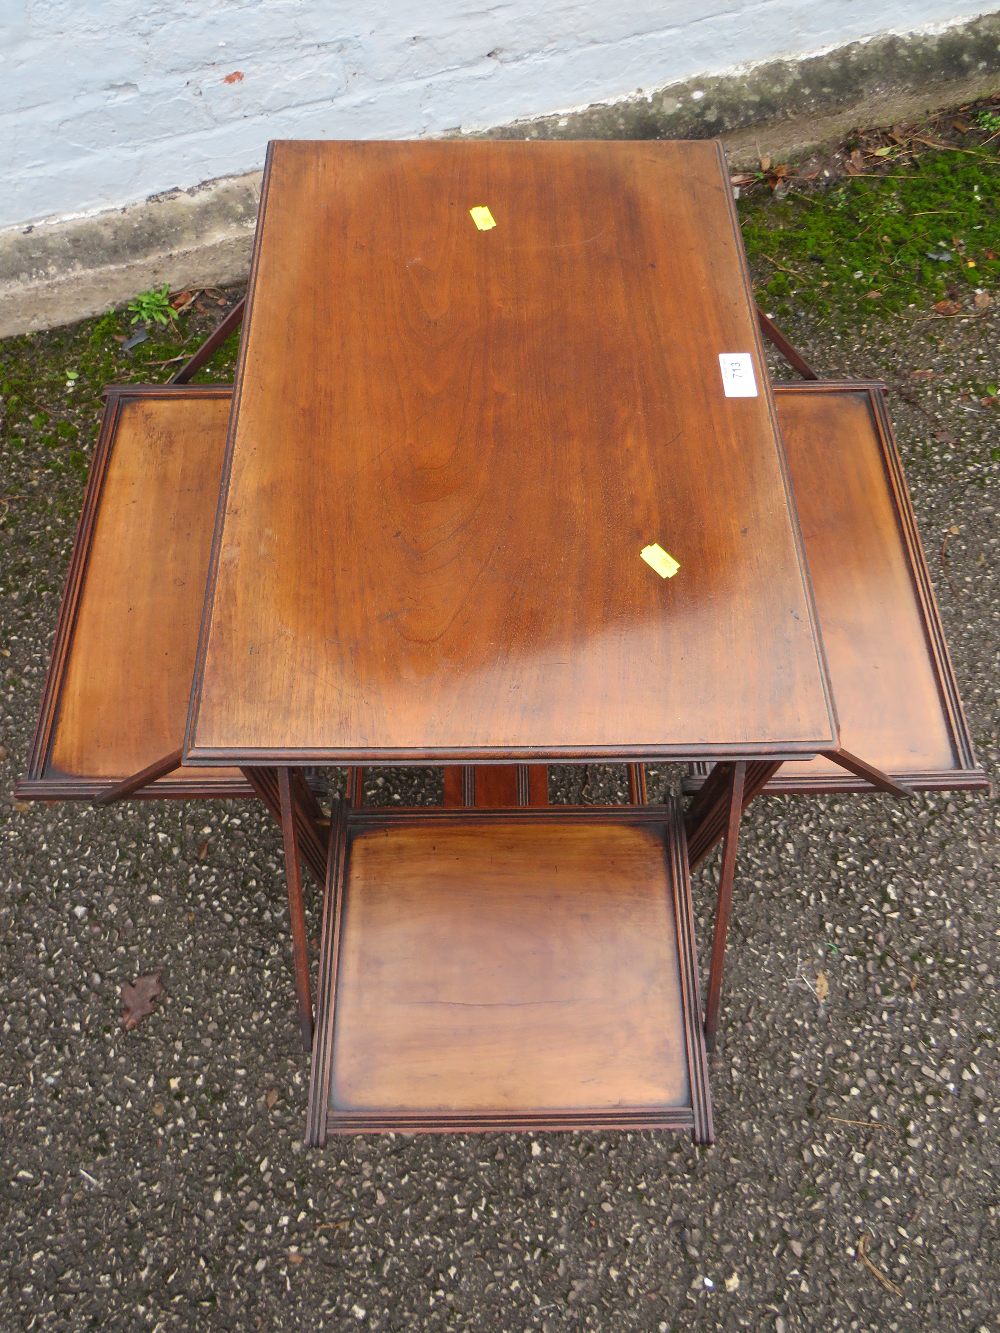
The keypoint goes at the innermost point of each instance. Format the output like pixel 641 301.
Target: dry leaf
pixel 822 986
pixel 947 307
pixel 982 300
pixel 921 374
pixel 202 851
pixel 271 1098
pixel 765 162
pixel 138 999
pixel 294 1257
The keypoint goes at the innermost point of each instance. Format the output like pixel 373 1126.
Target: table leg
pixel 735 780
pixel 319 1081
pixel 355 794
pixel 296 906
pixel 308 816
pixel 286 794
pixel 715 815
pixel 637 792
pixel 708 814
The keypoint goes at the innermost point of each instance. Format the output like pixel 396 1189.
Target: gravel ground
pixel 157 1179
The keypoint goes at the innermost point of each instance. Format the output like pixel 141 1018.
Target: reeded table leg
pixel 296 908
pixel 287 795
pixel 724 903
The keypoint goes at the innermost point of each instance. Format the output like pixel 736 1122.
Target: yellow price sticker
pixel 657 558
pixel 482 217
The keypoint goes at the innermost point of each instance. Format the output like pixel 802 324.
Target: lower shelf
pixel 521 970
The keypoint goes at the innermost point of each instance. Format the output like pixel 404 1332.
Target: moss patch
pixel 921 233
pixel 50 408
pixel 51 383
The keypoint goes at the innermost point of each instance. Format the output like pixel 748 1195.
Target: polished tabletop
pixel 477 381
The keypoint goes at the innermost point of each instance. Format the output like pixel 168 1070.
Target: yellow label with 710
pixel 657 558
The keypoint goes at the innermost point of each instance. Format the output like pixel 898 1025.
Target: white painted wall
pixel 103 102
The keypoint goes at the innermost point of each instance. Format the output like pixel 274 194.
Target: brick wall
pixel 103 102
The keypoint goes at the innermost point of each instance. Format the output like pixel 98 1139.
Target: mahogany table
pixel 448 447
pixel 477 383
pixel 502 485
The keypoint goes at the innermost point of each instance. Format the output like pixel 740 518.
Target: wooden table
pixel 477 383
pixel 449 446
pixel 502 483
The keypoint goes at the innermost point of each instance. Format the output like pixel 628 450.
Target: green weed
pixel 152 307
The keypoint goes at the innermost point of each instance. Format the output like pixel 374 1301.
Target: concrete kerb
pixel 57 273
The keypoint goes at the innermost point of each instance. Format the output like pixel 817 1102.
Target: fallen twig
pixel 182 356
pixel 944 560
pixel 878 176
pixel 933 319
pixel 875 1272
pixel 952 147
pixel 795 273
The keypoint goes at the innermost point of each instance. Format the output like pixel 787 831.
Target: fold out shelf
pixel 893 685
pixel 116 695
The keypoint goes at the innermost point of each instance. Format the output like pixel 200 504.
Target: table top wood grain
pixel 449 445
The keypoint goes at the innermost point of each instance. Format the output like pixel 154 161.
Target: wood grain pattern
pixel 893 684
pixel 514 969
pixel 120 679
pixel 450 446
